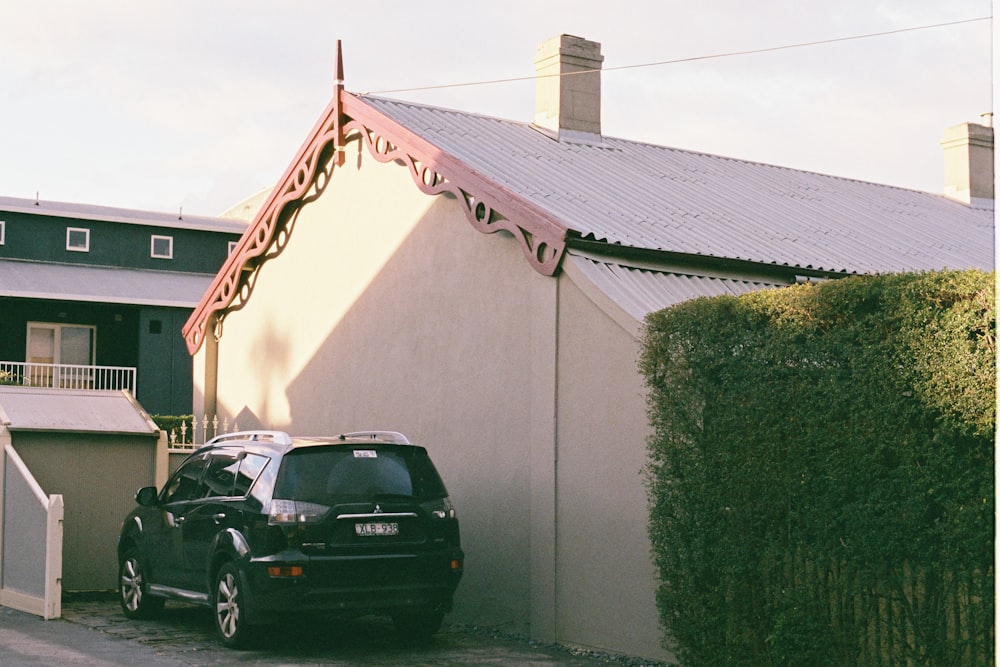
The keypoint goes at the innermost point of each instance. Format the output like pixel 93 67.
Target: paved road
pixel 93 632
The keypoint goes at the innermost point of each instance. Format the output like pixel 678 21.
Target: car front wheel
pixel 230 617
pixel 132 592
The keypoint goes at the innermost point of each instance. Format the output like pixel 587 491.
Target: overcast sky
pixel 197 104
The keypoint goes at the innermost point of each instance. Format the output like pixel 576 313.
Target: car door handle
pixel 217 518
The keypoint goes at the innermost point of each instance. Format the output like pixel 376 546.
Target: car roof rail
pixel 277 437
pixel 382 436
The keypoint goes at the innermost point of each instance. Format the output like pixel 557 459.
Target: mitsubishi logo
pixel 378 509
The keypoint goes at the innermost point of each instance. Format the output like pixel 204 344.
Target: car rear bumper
pixel 353 584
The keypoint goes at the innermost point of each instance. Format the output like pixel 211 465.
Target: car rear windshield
pixel 342 473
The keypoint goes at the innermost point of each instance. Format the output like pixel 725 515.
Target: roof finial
pixel 338 108
pixel 338 72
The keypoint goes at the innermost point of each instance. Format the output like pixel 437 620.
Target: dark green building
pixel 93 297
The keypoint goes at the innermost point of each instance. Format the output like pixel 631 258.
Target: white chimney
pixel 968 164
pixel 568 88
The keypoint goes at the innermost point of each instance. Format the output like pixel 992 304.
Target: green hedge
pixel 821 472
pixel 171 423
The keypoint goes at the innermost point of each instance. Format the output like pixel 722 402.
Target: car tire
pixel 417 625
pixel 228 608
pixel 133 592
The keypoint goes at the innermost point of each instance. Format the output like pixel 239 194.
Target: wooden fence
pixel 901 615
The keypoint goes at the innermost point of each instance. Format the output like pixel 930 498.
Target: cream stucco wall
pixel 603 566
pixel 387 310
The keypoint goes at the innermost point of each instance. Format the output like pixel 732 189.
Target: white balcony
pixel 68 376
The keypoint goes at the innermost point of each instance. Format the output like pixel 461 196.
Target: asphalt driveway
pixel 93 632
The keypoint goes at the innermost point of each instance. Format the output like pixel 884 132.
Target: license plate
pixel 376 529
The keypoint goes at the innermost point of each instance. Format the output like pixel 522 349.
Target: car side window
pixel 220 477
pixel 249 469
pixel 183 485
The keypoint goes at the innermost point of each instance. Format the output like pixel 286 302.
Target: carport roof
pixel 73 411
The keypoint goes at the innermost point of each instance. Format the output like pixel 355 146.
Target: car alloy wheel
pixel 135 602
pixel 229 620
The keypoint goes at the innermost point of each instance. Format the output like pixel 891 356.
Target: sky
pixel 193 105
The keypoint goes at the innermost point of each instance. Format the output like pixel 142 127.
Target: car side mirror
pixel 146 496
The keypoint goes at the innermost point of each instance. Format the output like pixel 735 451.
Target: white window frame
pixel 232 246
pixel 170 247
pixel 57 328
pixel 3 226
pixel 86 236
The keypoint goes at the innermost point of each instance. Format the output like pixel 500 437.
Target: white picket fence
pixel 199 431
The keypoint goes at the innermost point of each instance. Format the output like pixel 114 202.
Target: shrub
pixel 821 472
pixel 172 423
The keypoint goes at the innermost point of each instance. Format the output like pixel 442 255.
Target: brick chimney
pixel 567 103
pixel 968 164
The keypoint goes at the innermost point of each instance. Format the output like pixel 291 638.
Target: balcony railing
pixel 68 376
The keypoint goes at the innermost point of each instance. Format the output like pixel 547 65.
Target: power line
pixel 727 54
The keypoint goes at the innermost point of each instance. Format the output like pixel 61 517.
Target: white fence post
pixel 29 581
pixel 53 558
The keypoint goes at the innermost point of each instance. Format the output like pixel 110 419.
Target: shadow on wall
pixel 435 347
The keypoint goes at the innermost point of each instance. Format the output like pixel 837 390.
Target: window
pixel 60 343
pixel 53 347
pixel 327 475
pixel 250 469
pixel 77 239
pixel 232 246
pixel 161 247
pixel 184 483
pixel 220 477
pixel 3 224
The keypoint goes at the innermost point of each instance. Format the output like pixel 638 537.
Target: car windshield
pixel 328 475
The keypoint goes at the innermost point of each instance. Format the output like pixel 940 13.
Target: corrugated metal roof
pixel 653 197
pixel 642 291
pixel 37 409
pixel 76 282
pixel 124 215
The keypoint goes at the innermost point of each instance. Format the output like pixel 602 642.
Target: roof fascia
pixel 488 206
pixel 707 265
pixel 268 233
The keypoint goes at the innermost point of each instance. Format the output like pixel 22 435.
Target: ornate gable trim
pixel 488 206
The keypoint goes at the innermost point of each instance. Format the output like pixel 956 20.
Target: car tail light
pixel 284 571
pixel 441 508
pixel 294 512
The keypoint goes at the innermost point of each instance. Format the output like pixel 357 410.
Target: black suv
pixel 258 525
